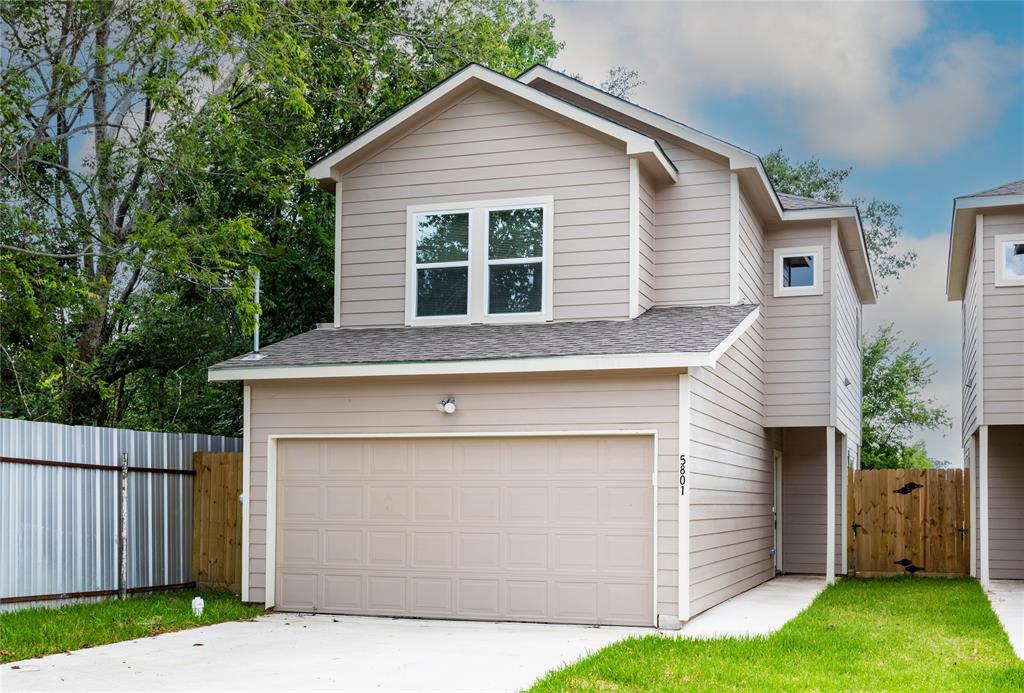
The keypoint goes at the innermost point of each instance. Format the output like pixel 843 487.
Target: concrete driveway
pixel 307 652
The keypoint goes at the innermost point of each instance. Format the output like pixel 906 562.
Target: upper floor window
pixel 486 261
pixel 798 271
pixel 1009 256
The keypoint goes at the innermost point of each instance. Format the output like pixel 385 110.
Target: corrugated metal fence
pixel 59 493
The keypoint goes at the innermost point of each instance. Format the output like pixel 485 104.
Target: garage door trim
pixel 272 440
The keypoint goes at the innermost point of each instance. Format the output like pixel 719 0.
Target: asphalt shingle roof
pixel 1013 188
pixel 798 202
pixel 660 330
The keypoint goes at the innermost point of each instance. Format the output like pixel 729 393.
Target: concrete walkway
pixel 759 611
pixel 351 653
pixel 307 652
pixel 1007 598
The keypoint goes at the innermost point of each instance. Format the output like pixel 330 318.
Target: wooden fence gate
pixel 908 521
pixel 217 520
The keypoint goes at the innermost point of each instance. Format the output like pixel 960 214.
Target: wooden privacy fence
pixel 908 521
pixel 217 520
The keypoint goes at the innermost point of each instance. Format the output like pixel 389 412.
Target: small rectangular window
pixel 442 264
pixel 798 271
pixel 1009 260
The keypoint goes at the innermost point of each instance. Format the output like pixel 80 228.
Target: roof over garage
pixel 660 338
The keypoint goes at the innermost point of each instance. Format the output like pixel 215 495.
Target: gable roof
pixel 660 338
pixel 962 230
pixel 474 76
pixel 613 123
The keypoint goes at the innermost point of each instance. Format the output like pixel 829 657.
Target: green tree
pixel 894 408
pixel 153 152
pixel 880 218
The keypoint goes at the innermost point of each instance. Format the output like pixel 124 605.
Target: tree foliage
pixel 894 408
pixel 153 153
pixel 622 82
pixel 880 219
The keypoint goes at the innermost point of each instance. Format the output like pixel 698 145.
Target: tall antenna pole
pixel 256 332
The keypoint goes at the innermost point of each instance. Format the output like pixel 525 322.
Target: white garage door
pixel 519 529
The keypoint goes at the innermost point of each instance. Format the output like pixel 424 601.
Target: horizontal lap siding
pixel 1003 308
pixel 848 355
pixel 647 243
pixel 731 525
pixel 692 221
pixel 525 403
pixel 751 259
pixel 1006 502
pixel 489 147
pixel 969 344
pixel 803 500
pixel 798 339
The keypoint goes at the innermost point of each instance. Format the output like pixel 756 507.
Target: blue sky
pixel 923 101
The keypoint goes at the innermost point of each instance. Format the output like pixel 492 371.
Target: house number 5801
pixel 682 475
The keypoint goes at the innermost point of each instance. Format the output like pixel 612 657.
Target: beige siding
pixel 752 252
pixel 848 350
pixel 1003 308
pixel 969 353
pixel 693 231
pixel 647 243
pixel 524 403
pixel 731 522
pixel 803 500
pixel 798 370
pixel 1006 502
pixel 489 147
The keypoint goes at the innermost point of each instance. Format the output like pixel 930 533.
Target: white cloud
pixel 918 307
pixel 831 68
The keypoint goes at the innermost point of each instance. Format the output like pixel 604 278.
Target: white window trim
pixel 1002 279
pixel 817 289
pixel 478 299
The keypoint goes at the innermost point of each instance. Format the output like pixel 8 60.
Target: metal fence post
pixel 122 530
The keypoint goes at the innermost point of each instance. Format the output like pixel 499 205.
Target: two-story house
pixel 986 274
pixel 585 366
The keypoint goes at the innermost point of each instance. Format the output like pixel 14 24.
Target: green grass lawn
pixel 858 635
pixel 42 631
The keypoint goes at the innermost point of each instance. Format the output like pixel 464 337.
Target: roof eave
pixel 647 149
pixel 956 264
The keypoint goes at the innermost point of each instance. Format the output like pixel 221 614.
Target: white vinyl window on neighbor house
pixel 479 262
pixel 1009 256
pixel 798 271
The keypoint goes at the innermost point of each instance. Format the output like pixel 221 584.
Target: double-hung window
pixel 479 262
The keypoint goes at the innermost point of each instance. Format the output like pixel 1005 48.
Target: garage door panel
pixel 432 596
pixel 530 529
pixel 388 503
pixel 574 504
pixel 343 593
pixel 480 504
pixel 300 503
pixel 386 549
pixel 479 550
pixel 343 547
pixel 573 457
pixel 344 502
pixel 433 549
pixel 437 503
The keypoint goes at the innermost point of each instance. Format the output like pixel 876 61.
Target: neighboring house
pixel 986 273
pixel 580 355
